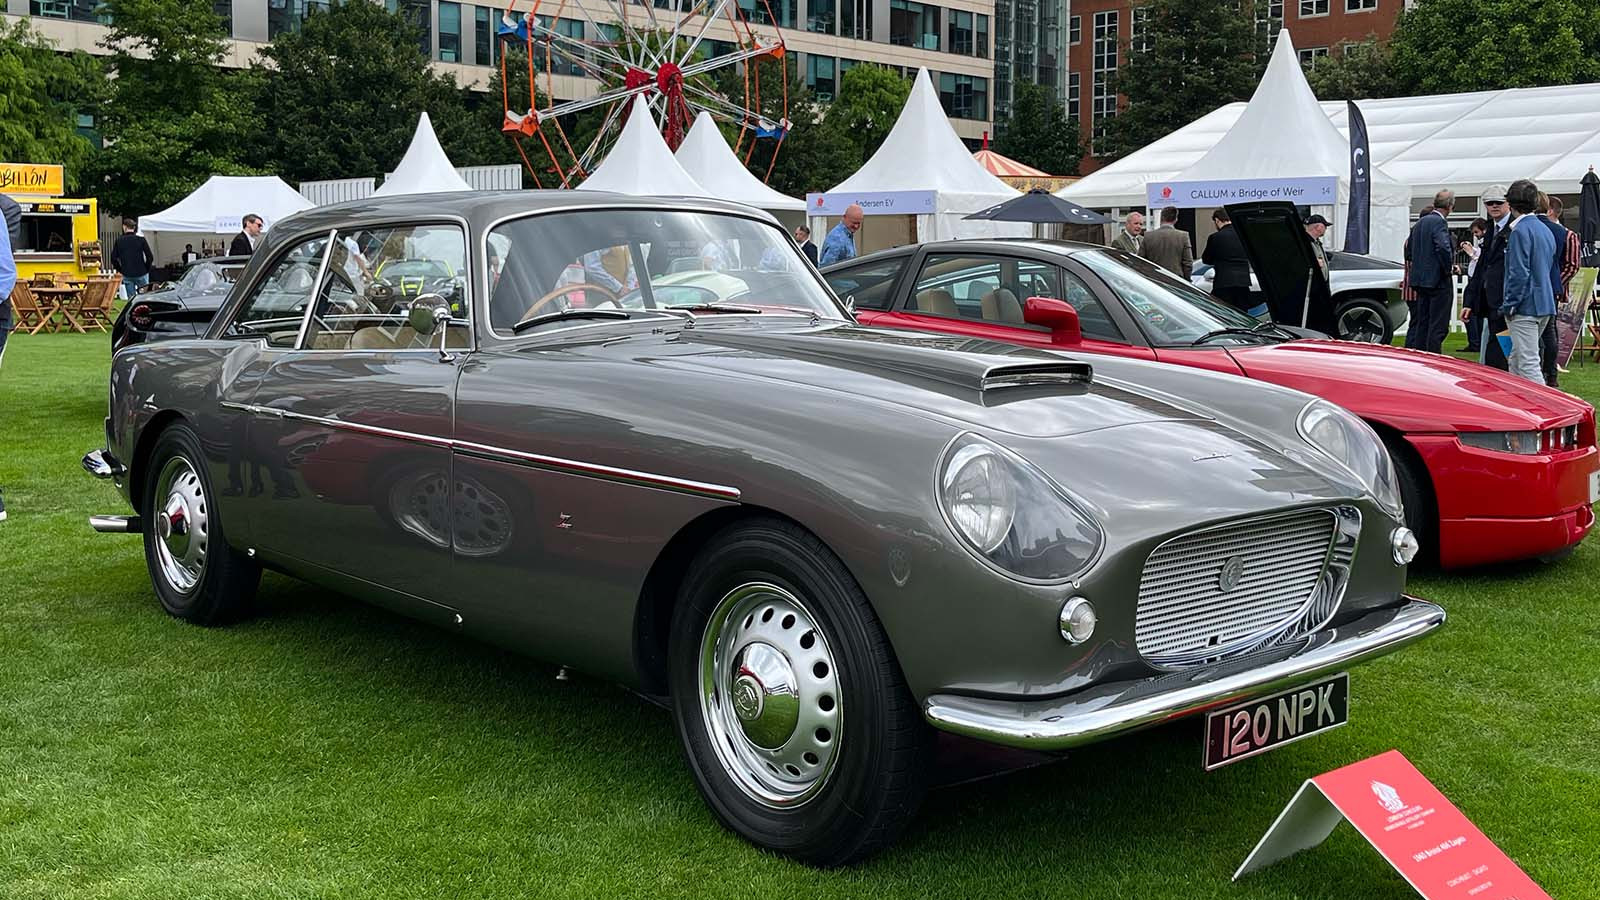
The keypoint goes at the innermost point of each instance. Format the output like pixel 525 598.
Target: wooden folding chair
pixel 98 296
pixel 28 315
pixel 44 279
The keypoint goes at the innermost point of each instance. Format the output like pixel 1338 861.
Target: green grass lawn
pixel 329 749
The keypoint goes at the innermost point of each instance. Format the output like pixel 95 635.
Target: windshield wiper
pixel 714 308
pixel 578 313
pixel 1223 332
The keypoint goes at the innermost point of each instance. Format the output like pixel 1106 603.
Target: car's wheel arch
pixel 142 449
pixel 1404 454
pixel 652 618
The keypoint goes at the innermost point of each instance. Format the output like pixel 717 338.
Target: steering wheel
pixel 562 291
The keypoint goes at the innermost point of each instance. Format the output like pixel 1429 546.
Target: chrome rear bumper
pixel 116 524
pixel 1099 712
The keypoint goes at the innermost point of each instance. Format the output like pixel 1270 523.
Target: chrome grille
pixel 1287 575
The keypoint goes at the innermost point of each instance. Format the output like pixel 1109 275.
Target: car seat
pixel 938 302
pixel 1001 305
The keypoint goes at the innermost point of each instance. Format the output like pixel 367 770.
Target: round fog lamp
pixel 1077 620
pixel 1403 541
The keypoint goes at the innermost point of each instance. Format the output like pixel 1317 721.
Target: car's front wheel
pixel 794 716
pixel 197 576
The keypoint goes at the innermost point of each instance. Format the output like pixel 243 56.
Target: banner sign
pixel 55 207
pixel 28 178
pixel 1570 315
pixel 873 203
pixel 1438 851
pixel 228 224
pixel 1322 190
pixel 1358 217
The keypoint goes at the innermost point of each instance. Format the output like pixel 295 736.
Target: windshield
pixel 646 259
pixel 414 268
pixel 205 276
pixel 1171 311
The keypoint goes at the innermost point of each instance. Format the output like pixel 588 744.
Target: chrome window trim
pixel 753 215
pixel 316 288
pixel 506 454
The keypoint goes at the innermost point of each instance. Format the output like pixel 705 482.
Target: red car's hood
pixel 1410 390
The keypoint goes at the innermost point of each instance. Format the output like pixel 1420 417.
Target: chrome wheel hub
pixel 769 694
pixel 181 525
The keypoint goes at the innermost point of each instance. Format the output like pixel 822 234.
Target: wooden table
pixel 63 299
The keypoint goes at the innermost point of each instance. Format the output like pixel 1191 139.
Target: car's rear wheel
pixel 1363 319
pixel 796 722
pixel 197 576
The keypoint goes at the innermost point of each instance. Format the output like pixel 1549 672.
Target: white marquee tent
pixel 1282 132
pixel 425 169
pixel 219 207
pixel 641 164
pixel 923 153
pixel 708 159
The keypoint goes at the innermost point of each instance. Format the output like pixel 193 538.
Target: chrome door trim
pixel 508 455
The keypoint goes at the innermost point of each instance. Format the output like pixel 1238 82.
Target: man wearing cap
pixel 1432 259
pixel 1487 287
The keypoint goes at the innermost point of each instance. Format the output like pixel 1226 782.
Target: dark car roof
pixel 487 206
pixel 978 245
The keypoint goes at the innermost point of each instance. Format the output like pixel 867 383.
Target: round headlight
pixel 1011 514
pixel 1352 443
pixel 980 496
pixel 1078 620
pixel 1403 541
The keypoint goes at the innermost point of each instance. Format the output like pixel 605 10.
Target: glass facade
pixel 855 19
pixel 1030 47
pixel 560 65
pixel 1107 28
pixel 822 16
pixel 981 38
pixel 485 42
pixel 959 33
pixel 449 31
pixel 1074 95
pixel 419 13
pixel 820 76
pixel 913 24
pixel 289 15
pixel 770 12
pixel 964 96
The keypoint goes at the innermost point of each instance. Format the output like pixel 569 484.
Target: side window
pixel 1093 319
pixel 871 285
pixel 983 289
pixel 376 275
pixel 277 305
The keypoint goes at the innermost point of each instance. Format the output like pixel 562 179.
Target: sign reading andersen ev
pixel 1322 190
pixel 873 203
pixel 28 178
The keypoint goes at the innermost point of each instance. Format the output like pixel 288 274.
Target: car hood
pixel 1410 390
pixel 996 386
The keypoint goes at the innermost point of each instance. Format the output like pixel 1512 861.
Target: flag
pixel 1358 220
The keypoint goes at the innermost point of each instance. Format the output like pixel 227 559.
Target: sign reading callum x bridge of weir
pixel 1318 191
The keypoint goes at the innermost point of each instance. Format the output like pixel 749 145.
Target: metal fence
pixel 492 178
pixel 338 190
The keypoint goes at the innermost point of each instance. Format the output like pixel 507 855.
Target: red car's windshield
pixel 1171 311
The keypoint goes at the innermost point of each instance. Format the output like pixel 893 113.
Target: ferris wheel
pixel 677 57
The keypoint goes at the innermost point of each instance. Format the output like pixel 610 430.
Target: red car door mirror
pixel 1056 315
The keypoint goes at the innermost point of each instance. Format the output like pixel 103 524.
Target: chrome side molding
pixel 117 524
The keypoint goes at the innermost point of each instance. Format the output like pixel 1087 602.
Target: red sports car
pixel 1492 467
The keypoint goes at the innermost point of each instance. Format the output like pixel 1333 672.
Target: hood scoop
pixel 969 364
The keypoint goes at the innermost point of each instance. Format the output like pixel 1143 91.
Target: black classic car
pixel 181 308
pixel 820 542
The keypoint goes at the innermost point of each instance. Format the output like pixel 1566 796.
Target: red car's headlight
pixel 1523 443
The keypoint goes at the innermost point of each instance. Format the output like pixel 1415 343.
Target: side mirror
pixel 1056 315
pixel 427 313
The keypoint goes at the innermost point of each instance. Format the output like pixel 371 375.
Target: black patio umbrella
pixel 1041 206
pixel 1589 216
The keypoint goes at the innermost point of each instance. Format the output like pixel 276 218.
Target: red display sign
pixel 1430 843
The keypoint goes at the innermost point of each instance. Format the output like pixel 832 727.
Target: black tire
pixel 878 761
pixel 1355 310
pixel 220 585
pixel 1416 492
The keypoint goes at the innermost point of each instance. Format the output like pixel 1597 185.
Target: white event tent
pixel 219 207
pixel 641 164
pixel 923 153
pixel 1281 133
pixel 425 169
pixel 708 159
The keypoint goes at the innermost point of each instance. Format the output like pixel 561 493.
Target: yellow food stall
pixel 59 234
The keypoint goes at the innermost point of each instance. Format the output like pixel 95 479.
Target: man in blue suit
pixel 1530 297
pixel 1432 259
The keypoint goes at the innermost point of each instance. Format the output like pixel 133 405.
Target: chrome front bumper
pixel 1102 711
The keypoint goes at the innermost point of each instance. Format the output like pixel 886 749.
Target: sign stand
pixel 1435 848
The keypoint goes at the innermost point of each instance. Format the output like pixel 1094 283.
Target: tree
pixel 1197 55
pixel 1447 46
pixel 1038 132
pixel 340 97
pixel 41 94
pixel 1355 70
pixel 172 117
pixel 870 99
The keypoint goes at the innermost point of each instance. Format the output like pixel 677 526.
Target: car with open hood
pixel 1459 433
pixel 820 543
pixel 1367 300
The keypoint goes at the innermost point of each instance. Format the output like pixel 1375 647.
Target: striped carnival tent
pixel 1018 175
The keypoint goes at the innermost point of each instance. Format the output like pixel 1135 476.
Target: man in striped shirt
pixel 1568 259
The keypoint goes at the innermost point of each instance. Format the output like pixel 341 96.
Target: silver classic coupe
pixel 640 437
